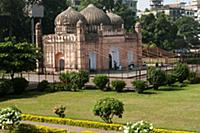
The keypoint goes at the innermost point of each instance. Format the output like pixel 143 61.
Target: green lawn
pixel 170 109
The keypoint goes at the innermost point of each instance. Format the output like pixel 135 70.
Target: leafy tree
pixel 14 21
pixel 148 27
pixel 189 30
pixel 158 30
pixel 52 9
pixel 17 57
pixel 107 108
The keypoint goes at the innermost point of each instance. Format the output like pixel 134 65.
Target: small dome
pixel 115 19
pixel 69 16
pixel 95 16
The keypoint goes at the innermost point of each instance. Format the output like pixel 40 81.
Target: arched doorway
pixel 92 61
pixel 110 61
pixel 62 64
pixel 114 58
pixel 59 62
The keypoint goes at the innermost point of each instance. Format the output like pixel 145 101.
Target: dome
pixel 115 19
pixel 95 16
pixel 69 16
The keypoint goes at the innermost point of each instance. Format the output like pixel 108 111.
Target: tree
pixel 158 30
pixel 188 31
pixel 52 9
pixel 107 108
pixel 17 57
pixel 15 22
pixel 148 27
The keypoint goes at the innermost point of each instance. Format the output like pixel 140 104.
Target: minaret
pixel 80 41
pixel 139 42
pixel 38 41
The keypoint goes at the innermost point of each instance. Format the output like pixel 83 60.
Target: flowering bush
pixel 60 111
pixel 9 117
pixel 138 127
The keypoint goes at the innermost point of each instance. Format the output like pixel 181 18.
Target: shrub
pixel 59 87
pixel 84 78
pixel 139 85
pixel 118 85
pixel 75 80
pixel 9 117
pixel 181 72
pixel 101 81
pixel 156 77
pixel 44 85
pixel 170 79
pixel 138 127
pixel 19 85
pixel 5 87
pixel 194 78
pixel 65 77
pixel 60 111
pixel 108 107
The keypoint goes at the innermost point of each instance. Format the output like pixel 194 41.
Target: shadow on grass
pixel 26 94
pixel 171 88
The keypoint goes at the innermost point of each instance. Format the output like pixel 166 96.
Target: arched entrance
pixel 59 62
pixel 62 64
pixel 114 58
pixel 92 61
pixel 110 61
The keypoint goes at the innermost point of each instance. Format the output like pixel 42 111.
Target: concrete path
pixel 69 128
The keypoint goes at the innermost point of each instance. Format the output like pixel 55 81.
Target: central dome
pixel 69 17
pixel 95 16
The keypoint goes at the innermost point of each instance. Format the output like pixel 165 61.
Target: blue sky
pixel 142 4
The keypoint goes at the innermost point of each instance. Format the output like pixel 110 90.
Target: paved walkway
pixel 69 128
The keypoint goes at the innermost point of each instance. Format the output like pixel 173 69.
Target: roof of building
pixel 69 16
pixel 115 19
pixel 95 16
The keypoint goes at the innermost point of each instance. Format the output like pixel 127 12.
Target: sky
pixel 142 4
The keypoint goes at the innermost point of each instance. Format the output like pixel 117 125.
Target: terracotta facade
pixel 84 46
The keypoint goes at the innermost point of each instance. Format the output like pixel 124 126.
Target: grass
pixel 177 108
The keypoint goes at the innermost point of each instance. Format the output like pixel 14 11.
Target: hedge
pixel 86 124
pixel 28 128
pixel 66 121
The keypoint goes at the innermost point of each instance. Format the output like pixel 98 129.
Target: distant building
pixel 174 11
pixel 132 4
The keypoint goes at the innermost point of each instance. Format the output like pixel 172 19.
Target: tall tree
pixel 15 24
pixel 17 57
pixel 52 9
pixel 189 31
pixel 158 30
pixel 148 27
